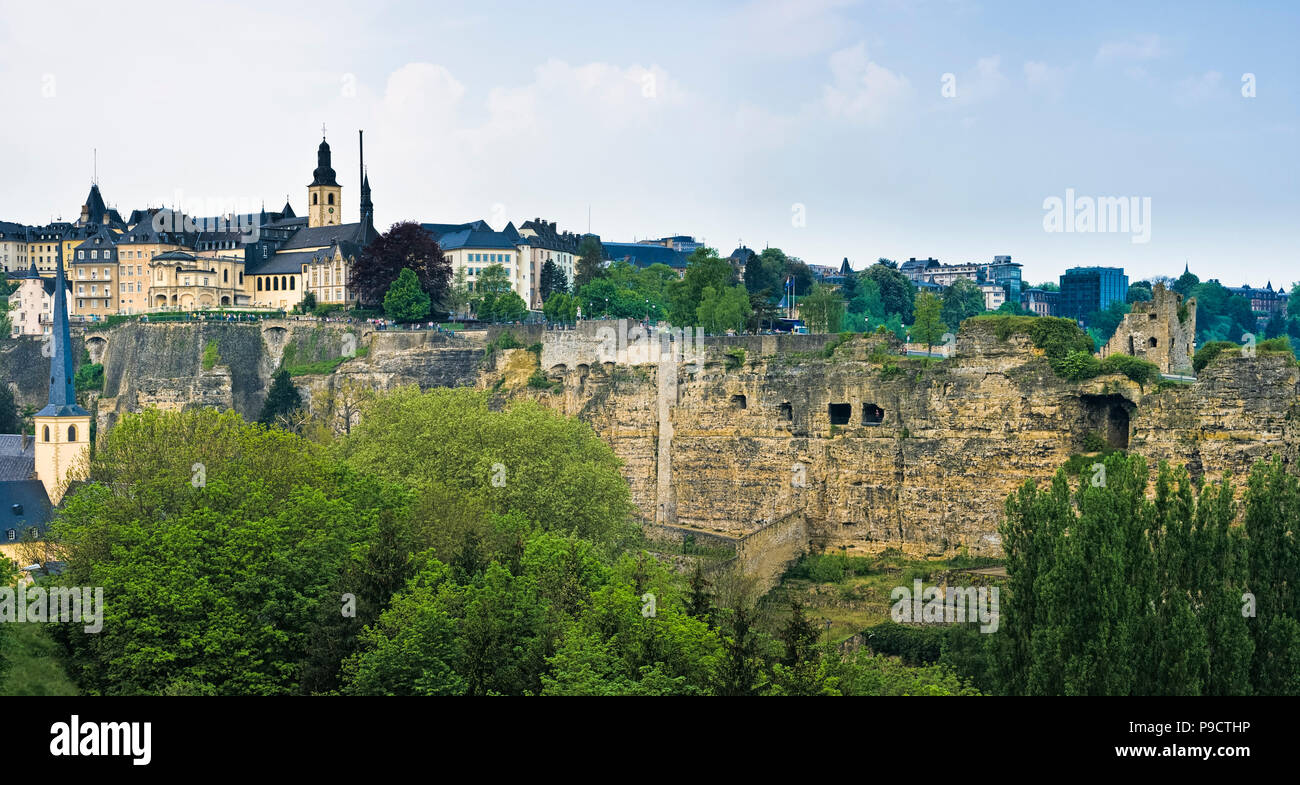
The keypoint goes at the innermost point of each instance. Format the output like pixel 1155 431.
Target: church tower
pixel 62 449
pixel 324 194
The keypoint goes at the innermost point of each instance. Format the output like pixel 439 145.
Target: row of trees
pixel 246 560
pixel 1117 588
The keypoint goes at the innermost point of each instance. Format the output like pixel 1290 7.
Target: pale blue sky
pixel 712 119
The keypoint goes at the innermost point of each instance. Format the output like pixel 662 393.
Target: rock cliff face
pixel 881 451
pixel 871 449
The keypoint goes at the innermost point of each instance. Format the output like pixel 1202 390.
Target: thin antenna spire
pixel 94 172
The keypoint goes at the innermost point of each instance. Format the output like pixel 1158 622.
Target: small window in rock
pixel 1152 316
pixel 840 413
pixel 872 414
pixel 738 401
pixel 1151 342
pixel 787 411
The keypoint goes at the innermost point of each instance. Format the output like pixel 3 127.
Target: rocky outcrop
pixel 728 435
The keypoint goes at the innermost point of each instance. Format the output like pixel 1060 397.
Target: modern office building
pixel 1088 289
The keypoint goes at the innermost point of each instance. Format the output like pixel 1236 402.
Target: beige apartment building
pixel 179 280
pixel 93 276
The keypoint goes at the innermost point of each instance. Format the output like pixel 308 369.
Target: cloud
pixel 791 28
pixel 1147 46
pixel 1044 79
pixel 862 91
pixel 1198 88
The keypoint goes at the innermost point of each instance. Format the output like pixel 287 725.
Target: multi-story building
pixel 1041 302
pixel 290 258
pixel 45 246
pixel 1088 289
pixel 184 281
pixel 13 247
pixel 136 248
pixel 539 243
pixel 994 295
pixel 1001 271
pixel 475 246
pixel 1264 302
pixel 31 305
pixel 644 254
pixel 93 276
pixel 682 243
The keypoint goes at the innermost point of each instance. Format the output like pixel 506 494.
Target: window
pixel 331 198
pixel 81 254
pixel 314 199
pixel 108 273
pixel 291 284
pixel 840 413
pixel 259 283
pixel 72 433
pixel 45 434
pixel 872 414
pixel 225 276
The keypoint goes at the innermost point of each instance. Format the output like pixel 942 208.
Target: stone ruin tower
pixel 1161 330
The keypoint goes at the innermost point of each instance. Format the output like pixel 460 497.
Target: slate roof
pixel 506 239
pixel 101 238
pixel 321 236
pixel 290 262
pixel 437 230
pixel 644 254
pixel 24 504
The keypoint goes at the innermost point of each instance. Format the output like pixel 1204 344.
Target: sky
pixel 829 128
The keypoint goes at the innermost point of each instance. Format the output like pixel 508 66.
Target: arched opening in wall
pixel 1110 417
pixel 45 434
pixel 225 300
pixel 840 413
pixel 1151 342
pixel 738 401
pixel 787 411
pixel 72 433
pixel 872 414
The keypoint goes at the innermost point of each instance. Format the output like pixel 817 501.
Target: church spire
pixel 63 398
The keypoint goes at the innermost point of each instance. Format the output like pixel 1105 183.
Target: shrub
pixel 1077 366
pixel 913 645
pixel 1135 368
pixel 735 358
pixel 1207 353
pixel 210 355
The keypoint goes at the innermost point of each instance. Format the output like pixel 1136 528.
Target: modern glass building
pixel 1088 289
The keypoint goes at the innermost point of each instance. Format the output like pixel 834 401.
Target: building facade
pixel 1088 289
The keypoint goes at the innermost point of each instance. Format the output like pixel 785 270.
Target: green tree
pixel 704 269
pixel 458 295
pixel 281 400
pixel 405 301
pixel 10 420
pixel 928 327
pixel 591 262
pixel 897 292
pixel 254 540
pixel 822 309
pixel 1137 293
pixel 526 459
pixel 962 300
